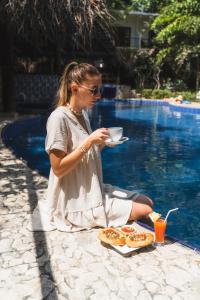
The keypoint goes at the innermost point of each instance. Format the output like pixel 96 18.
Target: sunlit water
pixel 161 158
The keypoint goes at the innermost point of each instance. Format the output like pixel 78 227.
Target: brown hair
pixel 73 72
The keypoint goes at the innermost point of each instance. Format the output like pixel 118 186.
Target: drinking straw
pixel 170 212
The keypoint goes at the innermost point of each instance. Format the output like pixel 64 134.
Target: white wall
pixel 137 24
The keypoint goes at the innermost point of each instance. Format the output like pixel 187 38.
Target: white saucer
pixel 114 143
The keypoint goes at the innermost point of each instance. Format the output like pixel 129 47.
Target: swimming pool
pixel 161 159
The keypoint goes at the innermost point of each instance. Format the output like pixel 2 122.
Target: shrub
pixel 165 93
pixel 189 96
pixel 160 94
pixel 175 85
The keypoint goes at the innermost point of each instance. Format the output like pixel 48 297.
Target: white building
pixel 134 31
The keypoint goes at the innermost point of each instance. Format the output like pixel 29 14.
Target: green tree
pixel 177 31
pixel 138 65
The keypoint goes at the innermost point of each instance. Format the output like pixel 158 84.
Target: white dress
pixel 79 200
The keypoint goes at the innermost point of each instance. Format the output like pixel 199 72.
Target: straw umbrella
pixel 55 21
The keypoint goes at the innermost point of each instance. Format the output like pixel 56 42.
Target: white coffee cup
pixel 115 133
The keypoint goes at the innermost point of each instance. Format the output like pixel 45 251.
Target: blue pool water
pixel 161 158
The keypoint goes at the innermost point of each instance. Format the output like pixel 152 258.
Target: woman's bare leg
pixel 141 208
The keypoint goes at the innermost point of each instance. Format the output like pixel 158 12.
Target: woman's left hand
pixel 99 136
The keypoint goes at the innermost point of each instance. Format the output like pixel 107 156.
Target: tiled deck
pixel 76 266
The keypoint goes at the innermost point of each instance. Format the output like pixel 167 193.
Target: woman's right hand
pixel 99 136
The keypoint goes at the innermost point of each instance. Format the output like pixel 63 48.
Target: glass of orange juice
pixel 160 228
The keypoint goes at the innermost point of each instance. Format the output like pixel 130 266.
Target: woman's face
pixel 89 91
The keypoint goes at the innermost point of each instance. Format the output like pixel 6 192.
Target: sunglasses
pixel 94 91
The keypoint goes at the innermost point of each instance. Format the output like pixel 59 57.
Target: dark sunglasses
pixel 94 91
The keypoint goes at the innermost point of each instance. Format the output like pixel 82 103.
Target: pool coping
pixel 147 101
pixel 193 107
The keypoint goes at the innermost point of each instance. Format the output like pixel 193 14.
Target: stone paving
pixel 75 266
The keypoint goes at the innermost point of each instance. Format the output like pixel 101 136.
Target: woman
pixel 76 196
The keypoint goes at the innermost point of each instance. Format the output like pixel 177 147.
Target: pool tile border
pixel 190 108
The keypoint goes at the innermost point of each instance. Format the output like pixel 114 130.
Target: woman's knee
pixel 139 210
pixel 143 199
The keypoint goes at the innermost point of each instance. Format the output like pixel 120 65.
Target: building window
pixel 123 36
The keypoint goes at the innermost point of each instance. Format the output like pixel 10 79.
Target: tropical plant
pixel 166 93
pixel 139 64
pixel 177 31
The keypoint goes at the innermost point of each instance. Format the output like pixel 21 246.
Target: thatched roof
pixel 56 20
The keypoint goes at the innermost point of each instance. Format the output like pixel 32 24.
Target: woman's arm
pixel 63 163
